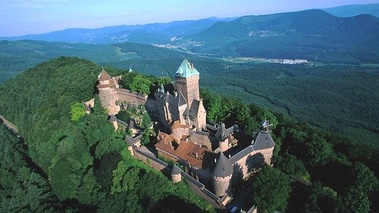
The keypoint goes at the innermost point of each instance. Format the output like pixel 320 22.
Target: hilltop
pixel 82 164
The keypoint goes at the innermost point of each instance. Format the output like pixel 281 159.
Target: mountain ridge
pixel 165 31
pixel 311 34
pixel 122 33
pixel 307 21
pixel 354 9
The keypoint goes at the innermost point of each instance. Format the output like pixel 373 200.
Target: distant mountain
pixel 314 35
pixel 311 34
pixel 354 10
pixel 146 34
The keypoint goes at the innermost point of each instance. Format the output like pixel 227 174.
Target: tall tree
pixel 366 180
pixel 270 189
pixel 140 84
pixel 355 200
pixel 319 151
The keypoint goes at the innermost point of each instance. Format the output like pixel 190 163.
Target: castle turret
pixel 266 126
pixel 105 81
pixel 107 92
pixel 176 177
pixel 113 120
pixel 222 175
pixel 187 82
pixel 222 136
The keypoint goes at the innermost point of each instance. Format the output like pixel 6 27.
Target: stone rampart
pixel 131 97
pixel 160 165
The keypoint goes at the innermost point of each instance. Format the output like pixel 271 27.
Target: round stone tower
pixel 222 175
pixel 113 120
pixel 176 177
pixel 107 92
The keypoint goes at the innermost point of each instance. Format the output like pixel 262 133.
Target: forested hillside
pixel 338 97
pixel 313 170
pixel 80 164
pixel 312 34
pixel 16 56
pixel 77 164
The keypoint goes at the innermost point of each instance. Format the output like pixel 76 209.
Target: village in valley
pixel 212 157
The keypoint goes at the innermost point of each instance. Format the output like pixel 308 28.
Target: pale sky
pixel 21 17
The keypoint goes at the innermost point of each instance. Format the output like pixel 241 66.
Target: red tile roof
pixel 104 76
pixel 188 152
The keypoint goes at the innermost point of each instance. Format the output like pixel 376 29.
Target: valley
pixel 338 98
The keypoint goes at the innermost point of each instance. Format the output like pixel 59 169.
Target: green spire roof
pixel 186 70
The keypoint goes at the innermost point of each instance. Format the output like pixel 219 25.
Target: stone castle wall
pixel 201 119
pixel 108 99
pixel 254 160
pixel 131 97
pixel 201 139
pixel 110 96
pixel 221 185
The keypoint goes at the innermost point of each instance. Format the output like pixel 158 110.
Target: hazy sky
pixel 20 17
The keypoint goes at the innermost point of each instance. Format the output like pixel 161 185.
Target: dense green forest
pixel 340 98
pixel 314 170
pixel 75 162
pixel 67 162
pixel 17 56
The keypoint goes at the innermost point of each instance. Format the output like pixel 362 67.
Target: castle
pixel 111 95
pixel 215 155
pixel 182 105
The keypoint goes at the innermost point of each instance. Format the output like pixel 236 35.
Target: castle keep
pixel 183 104
pixel 216 155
